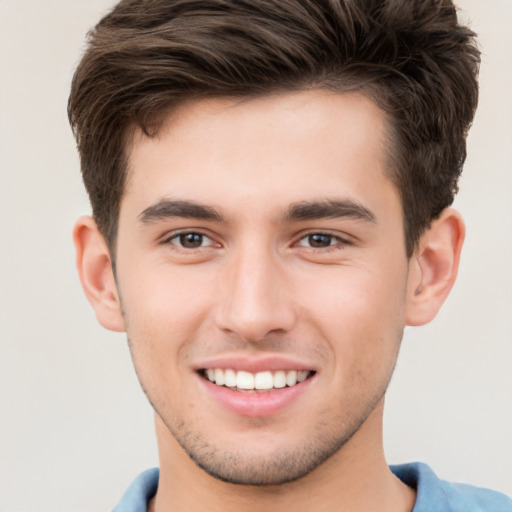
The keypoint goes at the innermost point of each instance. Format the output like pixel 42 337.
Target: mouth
pixel 259 382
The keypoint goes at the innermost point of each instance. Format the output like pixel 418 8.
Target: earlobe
pixel 94 267
pixel 433 267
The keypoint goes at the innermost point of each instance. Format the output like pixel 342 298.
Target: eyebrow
pixel 329 209
pixel 166 209
pixel 305 210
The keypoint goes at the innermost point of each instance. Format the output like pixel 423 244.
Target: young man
pixel 271 186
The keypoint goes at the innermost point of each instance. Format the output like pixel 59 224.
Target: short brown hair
pixel 412 57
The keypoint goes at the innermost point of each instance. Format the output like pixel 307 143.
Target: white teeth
pixel 279 379
pixel 230 378
pixel 219 377
pixel 291 378
pixel 244 380
pixel 261 380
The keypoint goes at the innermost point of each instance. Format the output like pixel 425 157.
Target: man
pixel 271 186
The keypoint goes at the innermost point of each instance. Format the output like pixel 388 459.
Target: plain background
pixel 75 427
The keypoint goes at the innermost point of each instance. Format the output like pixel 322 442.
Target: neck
pixel 356 478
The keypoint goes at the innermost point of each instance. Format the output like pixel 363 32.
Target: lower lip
pixel 257 403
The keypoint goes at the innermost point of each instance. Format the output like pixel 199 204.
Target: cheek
pixel 164 313
pixel 361 315
pixel 167 298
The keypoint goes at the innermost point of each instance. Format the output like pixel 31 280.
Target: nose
pixel 255 298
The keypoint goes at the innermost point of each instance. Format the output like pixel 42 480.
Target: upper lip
pixel 254 364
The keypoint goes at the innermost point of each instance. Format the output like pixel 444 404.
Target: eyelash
pixel 339 244
pixel 178 236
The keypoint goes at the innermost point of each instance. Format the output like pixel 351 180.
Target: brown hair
pixel 410 56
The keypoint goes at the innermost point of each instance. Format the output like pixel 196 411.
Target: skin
pixel 259 285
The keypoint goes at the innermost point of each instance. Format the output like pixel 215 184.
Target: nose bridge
pixel 254 300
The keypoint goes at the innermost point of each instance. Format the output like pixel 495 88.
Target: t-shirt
pixel 436 495
pixel 433 494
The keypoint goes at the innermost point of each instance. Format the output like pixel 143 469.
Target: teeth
pixel 291 378
pixel 261 380
pixel 302 375
pixel 244 380
pixel 230 378
pixel 279 379
pixel 219 377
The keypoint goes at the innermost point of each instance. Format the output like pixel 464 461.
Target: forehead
pixel 315 143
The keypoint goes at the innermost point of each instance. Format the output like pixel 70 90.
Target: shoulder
pixel 436 495
pixel 141 490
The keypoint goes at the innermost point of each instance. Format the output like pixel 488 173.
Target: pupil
pixel 320 240
pixel 191 240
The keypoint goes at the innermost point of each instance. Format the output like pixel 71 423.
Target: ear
pixel 94 267
pixel 433 267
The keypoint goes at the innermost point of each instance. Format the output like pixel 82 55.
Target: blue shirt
pixel 433 494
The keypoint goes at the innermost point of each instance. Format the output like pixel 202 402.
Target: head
pixel 272 180
pixel 412 59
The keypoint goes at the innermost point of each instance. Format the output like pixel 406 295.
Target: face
pixel 262 273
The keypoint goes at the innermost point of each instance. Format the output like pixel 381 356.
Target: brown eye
pixel 190 240
pixel 319 240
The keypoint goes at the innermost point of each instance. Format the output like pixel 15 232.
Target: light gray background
pixel 74 426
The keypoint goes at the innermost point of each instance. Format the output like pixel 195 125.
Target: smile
pixel 256 382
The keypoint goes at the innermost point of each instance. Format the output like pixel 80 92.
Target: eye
pixel 319 240
pixel 190 240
